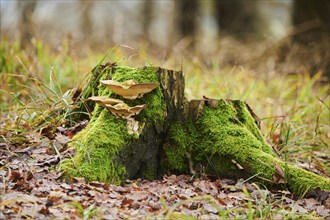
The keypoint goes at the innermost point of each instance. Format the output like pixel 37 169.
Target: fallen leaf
pixel 323 211
pixel 127 202
pixel 209 208
pixel 14 176
pixel 298 208
pixel 54 197
pixel 137 195
pixel 44 211
pixel 121 189
pixel 62 139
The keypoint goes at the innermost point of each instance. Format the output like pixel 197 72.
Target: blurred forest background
pixel 287 36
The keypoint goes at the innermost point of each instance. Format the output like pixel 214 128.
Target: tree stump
pixel 174 135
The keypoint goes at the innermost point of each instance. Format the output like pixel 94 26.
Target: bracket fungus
pixel 117 106
pixel 104 100
pixel 124 111
pixel 130 89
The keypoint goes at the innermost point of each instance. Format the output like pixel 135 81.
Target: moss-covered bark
pixel 225 141
pixel 105 149
pixel 218 137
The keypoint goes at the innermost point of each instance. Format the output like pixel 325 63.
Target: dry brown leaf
pixel 137 195
pixel 14 176
pixel 44 211
pixel 54 197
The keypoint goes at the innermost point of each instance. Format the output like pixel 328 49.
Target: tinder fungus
pixel 130 89
pixel 124 111
pixel 103 100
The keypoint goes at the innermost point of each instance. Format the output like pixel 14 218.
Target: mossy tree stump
pixel 174 135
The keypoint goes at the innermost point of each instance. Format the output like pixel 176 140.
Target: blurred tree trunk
pixel 86 21
pixel 146 17
pixel 312 20
pixel 187 12
pixel 26 24
pixel 237 17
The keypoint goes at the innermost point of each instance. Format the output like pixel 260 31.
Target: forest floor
pixel 36 104
pixel 31 188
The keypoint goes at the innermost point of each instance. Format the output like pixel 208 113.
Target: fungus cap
pixel 124 111
pixel 130 89
pixel 103 100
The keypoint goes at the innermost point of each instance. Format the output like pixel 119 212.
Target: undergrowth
pixel 38 87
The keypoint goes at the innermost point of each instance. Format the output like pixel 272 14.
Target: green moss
pixel 185 138
pixel 223 127
pixel 301 181
pixel 297 180
pixel 176 160
pixel 156 107
pixel 222 166
pixel 95 147
pixel 228 132
pixel 228 129
pixel 245 117
pixel 99 143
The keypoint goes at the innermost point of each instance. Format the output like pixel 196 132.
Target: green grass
pixel 37 86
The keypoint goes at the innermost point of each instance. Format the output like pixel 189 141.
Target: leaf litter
pixel 31 187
